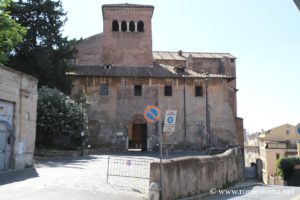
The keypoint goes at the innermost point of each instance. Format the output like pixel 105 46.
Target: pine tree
pixel 44 52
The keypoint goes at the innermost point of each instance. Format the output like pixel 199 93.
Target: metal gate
pixel 131 167
pixel 130 172
pixel 6 133
pixel 2 147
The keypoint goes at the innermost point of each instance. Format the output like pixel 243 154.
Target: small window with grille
pixel 168 90
pixel 198 91
pixel 138 90
pixel 104 89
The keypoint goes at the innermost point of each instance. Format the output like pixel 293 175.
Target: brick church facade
pixel 121 75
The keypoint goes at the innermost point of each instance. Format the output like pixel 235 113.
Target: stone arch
pixel 138 119
pixel 140 26
pixel 124 26
pixel 131 26
pixel 115 26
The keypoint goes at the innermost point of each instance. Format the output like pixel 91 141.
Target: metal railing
pixel 130 167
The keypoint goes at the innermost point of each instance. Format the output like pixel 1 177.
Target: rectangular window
pixel 138 90
pixel 198 91
pixel 277 156
pixel 168 90
pixel 104 89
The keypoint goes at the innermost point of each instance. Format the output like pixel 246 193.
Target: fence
pixel 128 167
pixel 129 172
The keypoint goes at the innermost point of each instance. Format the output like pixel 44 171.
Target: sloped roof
pixel 173 55
pixel 155 70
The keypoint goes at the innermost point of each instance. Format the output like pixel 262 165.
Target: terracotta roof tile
pixel 155 70
pixel 173 55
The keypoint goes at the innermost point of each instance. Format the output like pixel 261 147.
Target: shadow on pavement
pixel 156 154
pixel 75 162
pixel 16 176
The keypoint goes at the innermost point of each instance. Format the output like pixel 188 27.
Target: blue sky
pixel 264 35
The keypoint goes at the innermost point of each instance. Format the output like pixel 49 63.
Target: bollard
pixel 154 191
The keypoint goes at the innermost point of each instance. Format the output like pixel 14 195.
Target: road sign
pixel 298 129
pixel 152 114
pixel 170 118
pixel 170 121
pixel 169 129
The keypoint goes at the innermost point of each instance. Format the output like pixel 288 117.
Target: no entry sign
pixel 152 114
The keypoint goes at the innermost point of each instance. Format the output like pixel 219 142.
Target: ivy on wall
pixel 285 167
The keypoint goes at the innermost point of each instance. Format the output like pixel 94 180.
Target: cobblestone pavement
pixel 77 176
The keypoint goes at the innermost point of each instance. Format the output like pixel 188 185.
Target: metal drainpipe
pixel 207 111
pixel 184 113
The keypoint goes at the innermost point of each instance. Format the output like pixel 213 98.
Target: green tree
pixel 44 52
pixel 11 33
pixel 285 167
pixel 57 115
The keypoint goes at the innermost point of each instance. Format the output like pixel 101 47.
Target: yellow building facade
pixel 276 143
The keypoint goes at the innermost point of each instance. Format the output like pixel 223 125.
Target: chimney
pixel 189 62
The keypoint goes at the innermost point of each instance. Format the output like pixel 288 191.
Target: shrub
pixel 57 116
pixel 285 167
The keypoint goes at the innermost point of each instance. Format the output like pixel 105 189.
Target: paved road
pixel 72 178
pixel 57 193
pixel 69 179
pixel 265 192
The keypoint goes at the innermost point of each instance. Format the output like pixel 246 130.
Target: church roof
pixel 173 55
pixel 155 71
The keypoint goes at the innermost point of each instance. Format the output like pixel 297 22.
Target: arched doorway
pixel 6 140
pixel 137 133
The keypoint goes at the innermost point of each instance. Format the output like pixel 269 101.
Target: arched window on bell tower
pixel 115 26
pixel 124 26
pixel 131 26
pixel 140 26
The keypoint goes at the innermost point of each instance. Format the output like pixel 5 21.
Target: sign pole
pixel 160 149
pixel 152 115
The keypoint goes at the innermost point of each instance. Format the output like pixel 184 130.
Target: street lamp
pixel 81 150
pixel 207 119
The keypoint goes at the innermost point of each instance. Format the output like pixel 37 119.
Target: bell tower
pixel 127 34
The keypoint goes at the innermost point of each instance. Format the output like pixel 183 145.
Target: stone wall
pixel 20 90
pixel 89 51
pixel 192 175
pixel 114 113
